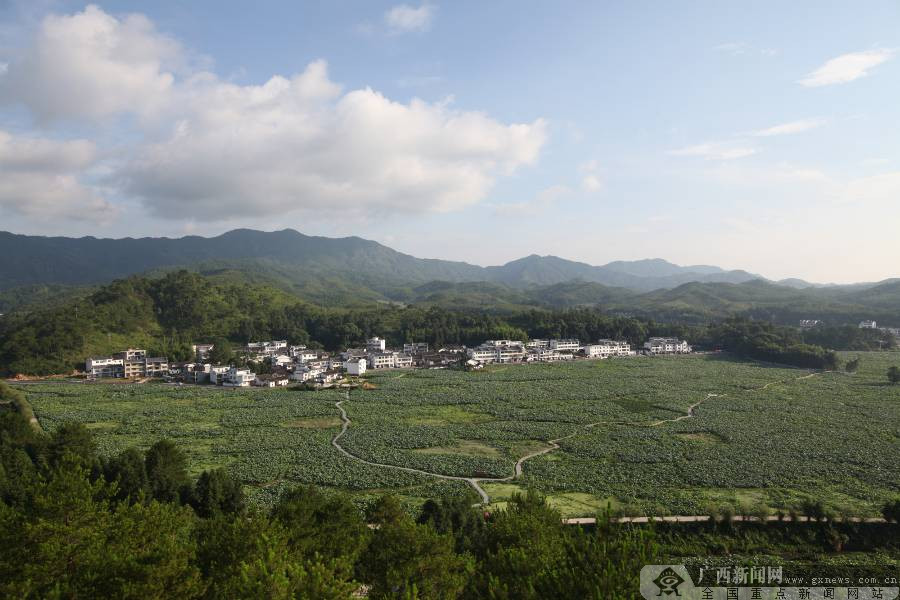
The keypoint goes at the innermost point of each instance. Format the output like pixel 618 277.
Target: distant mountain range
pixel 352 271
pixel 30 260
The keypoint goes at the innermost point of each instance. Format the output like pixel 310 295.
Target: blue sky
pixel 761 136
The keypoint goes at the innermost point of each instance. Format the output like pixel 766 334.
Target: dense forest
pixel 169 313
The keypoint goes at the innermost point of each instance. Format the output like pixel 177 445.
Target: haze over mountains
pixel 39 271
pixel 32 260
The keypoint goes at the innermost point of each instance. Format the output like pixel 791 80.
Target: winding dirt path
pixel 552 445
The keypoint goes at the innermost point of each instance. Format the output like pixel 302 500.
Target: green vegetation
pixel 166 315
pixel 761 435
pixel 893 374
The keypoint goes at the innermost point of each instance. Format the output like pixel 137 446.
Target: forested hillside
pixel 297 258
pixel 167 314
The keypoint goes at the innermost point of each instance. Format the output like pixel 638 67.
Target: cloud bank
pixel 214 150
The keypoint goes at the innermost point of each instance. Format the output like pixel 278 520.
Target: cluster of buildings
pixel 866 324
pixel 894 331
pixel 131 363
pixel 287 363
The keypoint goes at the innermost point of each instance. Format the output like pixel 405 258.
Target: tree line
pixel 168 314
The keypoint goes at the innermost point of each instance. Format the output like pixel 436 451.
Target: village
pixel 276 363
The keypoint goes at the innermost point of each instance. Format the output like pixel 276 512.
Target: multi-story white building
pixel 547 355
pixel 304 373
pixel 403 360
pixel 381 360
pixel 598 350
pixel 482 354
pixel 569 345
pixel 809 323
pixel 660 345
pixel 267 348
pixel 235 377
pixel 356 366
pixel 537 344
pixel 510 353
pixel 375 344
pixel 104 366
pixel 156 366
pixel 868 325
pixel 305 355
pixel 217 374
pixel 128 363
pixel 497 351
pixel 335 362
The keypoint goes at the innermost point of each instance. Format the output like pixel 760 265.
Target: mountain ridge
pixel 88 260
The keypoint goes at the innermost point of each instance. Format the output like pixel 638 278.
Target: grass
pixel 465 447
pixel 315 423
pixel 769 437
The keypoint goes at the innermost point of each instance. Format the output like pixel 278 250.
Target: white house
pixel 546 355
pixel 482 354
pixel 281 360
pixel 599 350
pixel 104 366
pixel 375 344
pixel 303 356
pixel 403 360
pixel 415 348
pixel 868 325
pixel 497 351
pixel 356 366
pixel 537 344
pixel 569 345
pixel 659 345
pixel 270 381
pixel 268 348
pixel 235 377
pixel 217 374
pixel 382 360
pixel 305 373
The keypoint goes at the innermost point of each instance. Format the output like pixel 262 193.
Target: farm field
pixel 758 435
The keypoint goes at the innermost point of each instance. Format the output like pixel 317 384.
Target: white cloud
pixel 404 18
pixel 215 150
pixel 715 151
pixel 40 178
pixel 92 65
pixel 591 183
pixel 789 128
pixel 847 67
pixel 300 145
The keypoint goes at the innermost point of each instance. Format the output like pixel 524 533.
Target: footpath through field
pixel 552 445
